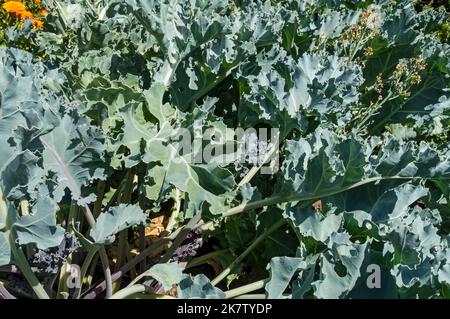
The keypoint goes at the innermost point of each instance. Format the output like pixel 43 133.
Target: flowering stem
pixel 373 109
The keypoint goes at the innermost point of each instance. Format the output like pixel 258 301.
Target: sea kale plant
pixel 348 197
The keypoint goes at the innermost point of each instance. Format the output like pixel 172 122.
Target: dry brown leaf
pixel 156 227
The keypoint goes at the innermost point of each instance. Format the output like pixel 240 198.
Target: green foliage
pixel 360 94
pixel 198 287
pixel 116 219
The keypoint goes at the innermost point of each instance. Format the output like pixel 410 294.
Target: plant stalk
pixel 98 202
pixel 25 268
pixel 246 289
pixel 278 199
pixel 241 257
pixel 197 261
pixel 84 269
pixel 128 291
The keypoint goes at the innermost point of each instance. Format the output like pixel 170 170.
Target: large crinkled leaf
pixel 336 281
pixel 287 93
pixel 302 285
pixel 282 269
pixel 40 226
pixel 157 144
pixel 382 201
pixel 376 281
pixel 311 224
pixel 18 173
pixel 154 97
pixel 115 220
pixel 198 287
pixel 413 239
pixel 340 259
pixel 404 36
pixel 323 84
pixel 202 46
pixel 25 102
pixel 75 152
pixel 201 182
pixel 135 131
pixel 326 164
pixel 444 274
pixel 29 108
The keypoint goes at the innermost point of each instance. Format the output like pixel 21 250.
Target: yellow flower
pixel 14 7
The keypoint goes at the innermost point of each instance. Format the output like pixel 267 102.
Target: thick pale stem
pixel 98 202
pixel 128 291
pixel 103 256
pixel 3 209
pixel 175 212
pixel 123 236
pixel 63 277
pixel 90 275
pixel 278 199
pixel 246 289
pixel 107 271
pixel 150 251
pixel 4 293
pixel 141 228
pixel 197 261
pixel 22 263
pixel 19 257
pixel 238 260
pixel 84 270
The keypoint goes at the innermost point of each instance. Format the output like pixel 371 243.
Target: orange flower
pixel 26 15
pixel 43 12
pixel 38 1
pixel 14 7
pixel 38 24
